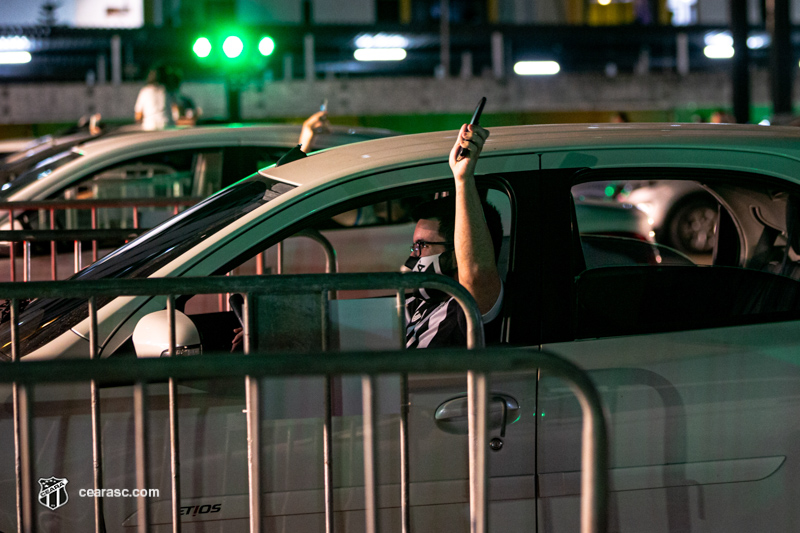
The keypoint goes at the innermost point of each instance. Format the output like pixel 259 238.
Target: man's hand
pixel 316 123
pixel 238 339
pixel 471 137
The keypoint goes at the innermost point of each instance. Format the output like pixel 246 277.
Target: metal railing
pixel 76 236
pixel 477 364
pixel 117 235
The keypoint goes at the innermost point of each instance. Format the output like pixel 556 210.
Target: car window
pixel 711 253
pixel 175 174
pixel 373 237
pixel 46 318
pixel 370 235
pixel 41 170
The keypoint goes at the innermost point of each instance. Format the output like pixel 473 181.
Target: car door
pixel 437 426
pixel 698 369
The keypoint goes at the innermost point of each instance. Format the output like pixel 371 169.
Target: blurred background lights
pixel 266 46
pixel 15 58
pixel 202 47
pixel 603 2
pixel 232 46
pixel 536 68
pixel 755 42
pixel 718 38
pixel 381 40
pixel 719 45
pixel 380 54
pixel 14 43
pixel 718 51
pixel 683 12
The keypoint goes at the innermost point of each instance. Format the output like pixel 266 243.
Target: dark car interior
pixel 751 277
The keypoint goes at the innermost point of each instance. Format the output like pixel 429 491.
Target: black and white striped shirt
pixel 438 321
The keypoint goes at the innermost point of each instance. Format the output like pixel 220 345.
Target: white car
pixel 698 366
pixel 170 163
pixel 683 215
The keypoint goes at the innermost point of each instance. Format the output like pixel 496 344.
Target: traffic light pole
pixel 741 62
pixel 233 94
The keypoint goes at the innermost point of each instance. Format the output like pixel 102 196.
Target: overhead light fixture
pixel 15 43
pixel 381 40
pixel 536 68
pixel 719 45
pixel 380 54
pixel 14 58
pixel 718 51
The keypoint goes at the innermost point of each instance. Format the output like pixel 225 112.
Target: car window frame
pixel 370 198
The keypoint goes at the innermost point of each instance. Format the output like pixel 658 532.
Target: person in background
pixel 619 117
pixel 720 116
pixel 184 111
pixel 155 104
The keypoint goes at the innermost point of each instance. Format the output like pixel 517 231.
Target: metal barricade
pixel 76 236
pixel 53 236
pixel 253 366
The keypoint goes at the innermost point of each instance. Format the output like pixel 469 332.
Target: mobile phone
pixel 476 117
pixel 324 106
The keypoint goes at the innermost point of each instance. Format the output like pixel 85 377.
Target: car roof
pixel 98 153
pixel 716 141
pixel 265 134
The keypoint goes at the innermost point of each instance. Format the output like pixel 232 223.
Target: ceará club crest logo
pixel 53 492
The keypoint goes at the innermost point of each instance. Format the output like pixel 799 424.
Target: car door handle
pixel 451 415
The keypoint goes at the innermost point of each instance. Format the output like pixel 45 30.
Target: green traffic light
pixel 202 47
pixel 232 47
pixel 266 46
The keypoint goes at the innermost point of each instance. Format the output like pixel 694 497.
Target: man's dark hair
pixel 444 210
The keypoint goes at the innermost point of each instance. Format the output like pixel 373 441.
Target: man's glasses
pixel 416 248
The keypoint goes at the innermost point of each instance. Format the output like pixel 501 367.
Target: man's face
pixel 428 231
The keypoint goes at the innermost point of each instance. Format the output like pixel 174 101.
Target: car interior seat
pixel 630 300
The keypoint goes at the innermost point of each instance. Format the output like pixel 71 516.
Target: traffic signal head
pixel 233 51
pixel 202 47
pixel 266 46
pixel 232 46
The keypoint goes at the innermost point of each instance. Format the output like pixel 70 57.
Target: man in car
pixel 458 236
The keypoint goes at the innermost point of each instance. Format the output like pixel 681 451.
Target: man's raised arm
pixel 475 257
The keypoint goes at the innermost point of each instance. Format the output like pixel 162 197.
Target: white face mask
pixel 428 263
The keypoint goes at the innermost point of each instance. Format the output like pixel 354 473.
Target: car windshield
pixel 154 249
pixel 42 170
pixel 43 320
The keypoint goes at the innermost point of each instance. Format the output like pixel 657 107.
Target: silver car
pixel 697 366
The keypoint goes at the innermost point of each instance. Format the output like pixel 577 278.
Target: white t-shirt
pixel 155 105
